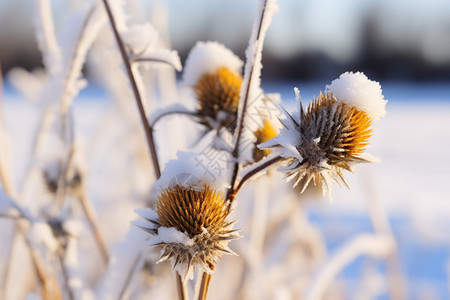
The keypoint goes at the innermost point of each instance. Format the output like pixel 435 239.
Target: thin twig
pixel 241 118
pixel 147 128
pixel 253 172
pixel 130 274
pixel 153 60
pixel 65 274
pixel 176 112
pixel 88 212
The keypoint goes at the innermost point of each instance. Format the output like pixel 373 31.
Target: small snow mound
pixel 207 57
pixel 357 90
pixel 170 235
pixel 194 171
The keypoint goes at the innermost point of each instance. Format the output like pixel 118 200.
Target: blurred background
pixel 309 40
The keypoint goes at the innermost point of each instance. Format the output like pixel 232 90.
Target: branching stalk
pixel 147 128
pixel 253 172
pixel 241 117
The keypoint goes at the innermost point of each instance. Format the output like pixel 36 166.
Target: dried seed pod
pixel 323 141
pixel 192 228
pixel 218 97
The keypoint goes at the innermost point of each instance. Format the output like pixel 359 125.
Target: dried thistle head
pixel 334 135
pixel 322 142
pixel 217 94
pixel 191 228
pixel 263 134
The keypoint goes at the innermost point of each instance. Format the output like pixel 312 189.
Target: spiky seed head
pixel 263 134
pixel 320 143
pixel 201 216
pixel 218 98
pixel 333 135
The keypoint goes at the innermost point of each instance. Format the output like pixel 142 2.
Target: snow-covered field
pixel 411 183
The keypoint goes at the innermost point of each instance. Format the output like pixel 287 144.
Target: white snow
pixel 41 234
pixel 357 90
pixel 140 37
pixel 170 235
pixel 45 33
pixel 147 213
pixel 143 41
pixel 207 57
pixel 193 170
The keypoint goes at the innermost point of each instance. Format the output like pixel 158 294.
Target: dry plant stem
pixel 49 291
pixel 242 117
pixel 254 172
pixel 65 275
pixel 88 212
pixel 147 128
pixel 64 167
pixel 206 279
pixel 181 287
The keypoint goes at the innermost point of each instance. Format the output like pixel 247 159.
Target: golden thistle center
pixel 263 134
pixel 218 91
pixel 337 132
pixel 191 211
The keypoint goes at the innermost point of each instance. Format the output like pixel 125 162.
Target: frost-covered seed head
pixel 218 97
pixel 263 134
pixel 199 216
pixel 330 137
pixel 207 57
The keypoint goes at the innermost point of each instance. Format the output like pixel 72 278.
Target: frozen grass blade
pixel 90 216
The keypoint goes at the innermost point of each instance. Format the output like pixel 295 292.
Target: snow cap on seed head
pixel 329 137
pixel 207 57
pixel 191 223
pixel 357 90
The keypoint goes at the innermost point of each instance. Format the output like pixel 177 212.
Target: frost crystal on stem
pixel 332 135
pixel 191 228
